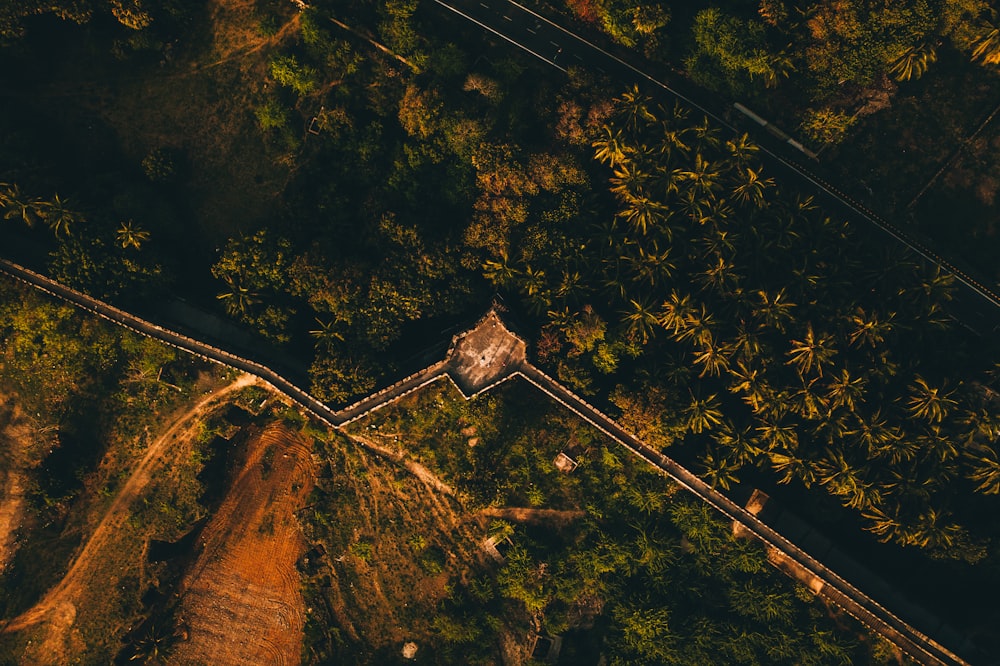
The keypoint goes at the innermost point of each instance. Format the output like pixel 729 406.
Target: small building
pixel 564 463
pixel 546 648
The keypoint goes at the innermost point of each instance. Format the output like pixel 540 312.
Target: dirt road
pixel 57 604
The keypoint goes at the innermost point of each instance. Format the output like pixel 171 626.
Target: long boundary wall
pixel 916 644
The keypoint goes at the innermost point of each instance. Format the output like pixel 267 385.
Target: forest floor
pixel 241 600
pixel 57 610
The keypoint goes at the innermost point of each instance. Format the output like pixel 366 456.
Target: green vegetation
pixel 92 393
pixel 780 363
pixel 349 180
pixel 632 563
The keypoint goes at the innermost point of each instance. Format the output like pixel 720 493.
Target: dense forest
pixel 657 264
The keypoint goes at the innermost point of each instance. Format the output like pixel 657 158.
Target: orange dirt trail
pixel 60 598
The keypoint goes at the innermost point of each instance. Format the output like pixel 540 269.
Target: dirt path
pixel 400 458
pixel 57 604
pixel 519 514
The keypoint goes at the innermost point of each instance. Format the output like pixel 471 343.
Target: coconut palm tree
pixel 778 435
pixel 867 328
pixel 675 312
pixel 845 480
pixel 720 470
pixel 635 108
pixel 742 149
pixel 721 276
pixel 17 205
pixel 739 445
pixel 811 353
pixel 699 327
pixel 58 215
pixel 750 382
pixel 713 358
pixel 239 298
pixel 641 320
pixel 929 403
pixel 774 310
pixel 914 62
pixel 702 414
pixel 844 390
pixel 628 180
pixel 703 177
pixel 642 213
pixel 610 148
pixel 751 187
pixel 130 235
pixel 807 401
pixel 985 470
pixel 986 46
pixel 326 332
pixel 501 272
pixel 874 432
pixel 792 468
pixel 649 266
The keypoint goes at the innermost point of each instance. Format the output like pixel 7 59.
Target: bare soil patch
pixel 241 600
pixel 16 440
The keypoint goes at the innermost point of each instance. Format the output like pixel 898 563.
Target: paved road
pixel 560 48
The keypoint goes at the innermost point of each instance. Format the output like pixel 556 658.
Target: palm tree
pixel 874 432
pixel 675 311
pixel 720 276
pixel 741 446
pixel 869 329
pixel 641 320
pixel 937 444
pixel 775 310
pixel 914 62
pixel 986 47
pixel 326 332
pixel 810 353
pixel 702 414
pixel 845 391
pixel 649 266
pixel 746 343
pixel 777 435
pixel 985 470
pixel 239 299
pixel 742 149
pixel 703 177
pixel 928 402
pixel 808 403
pixel 628 180
pixel 792 468
pixel 699 326
pixel 720 471
pixel 751 187
pixel 844 480
pixel 713 358
pixel 888 527
pixel 58 215
pixel 635 108
pixel 500 272
pixel 130 235
pixel 706 133
pixel 642 213
pixel 17 205
pixel 750 382
pixel 609 148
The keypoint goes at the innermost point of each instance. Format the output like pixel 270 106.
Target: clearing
pixel 241 601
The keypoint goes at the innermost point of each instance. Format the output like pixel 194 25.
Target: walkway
pixel 480 359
